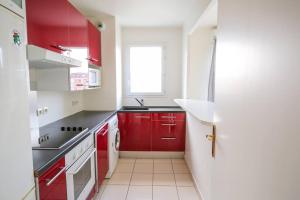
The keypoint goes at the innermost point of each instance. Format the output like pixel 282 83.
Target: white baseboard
pixel 194 181
pixel 151 154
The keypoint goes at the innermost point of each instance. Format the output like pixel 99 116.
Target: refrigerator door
pixel 15 146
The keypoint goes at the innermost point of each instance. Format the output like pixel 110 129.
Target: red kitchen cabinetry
pixel 94 44
pixel 168 135
pixel 135 131
pixel 101 138
pixel 48 24
pixel 52 183
pixel 78 29
pixel 152 131
pixel 58 26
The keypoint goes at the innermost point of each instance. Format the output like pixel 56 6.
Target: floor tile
pixel 124 168
pixel 141 179
pixel 165 193
pixel 163 161
pixel 148 161
pixel 139 193
pixel 188 193
pixel 127 160
pixel 120 179
pixel 164 179
pixel 180 168
pixel 178 160
pixel 143 168
pixel 114 192
pixel 184 180
pixel 163 168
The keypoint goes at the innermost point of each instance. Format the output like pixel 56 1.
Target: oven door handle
pixel 83 163
pixel 50 181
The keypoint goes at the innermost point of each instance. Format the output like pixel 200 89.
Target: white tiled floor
pixel 149 179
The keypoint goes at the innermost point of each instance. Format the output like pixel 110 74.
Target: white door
pixel 15 147
pixel 257 101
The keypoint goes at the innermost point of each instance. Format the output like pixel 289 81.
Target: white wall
pixel 60 105
pixel 257 101
pixel 171 37
pixel 198 149
pixel 199 62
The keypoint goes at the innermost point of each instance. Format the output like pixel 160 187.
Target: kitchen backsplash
pixel 57 105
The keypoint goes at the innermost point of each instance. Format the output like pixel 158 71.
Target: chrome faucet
pixel 141 102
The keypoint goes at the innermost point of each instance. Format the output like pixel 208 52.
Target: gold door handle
pixel 212 137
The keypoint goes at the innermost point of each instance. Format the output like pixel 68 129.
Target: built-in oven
pixel 81 174
pixel 94 77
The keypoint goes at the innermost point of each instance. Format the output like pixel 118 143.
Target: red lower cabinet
pixel 135 131
pixel 52 183
pixel 168 135
pixel 152 131
pixel 102 153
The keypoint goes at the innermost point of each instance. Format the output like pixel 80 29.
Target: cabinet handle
pixel 168 124
pixel 142 117
pixel 59 47
pixel 50 181
pixel 168 138
pixel 105 132
pixel 92 59
pixel 168 117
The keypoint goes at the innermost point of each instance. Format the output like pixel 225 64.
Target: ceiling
pixel 143 12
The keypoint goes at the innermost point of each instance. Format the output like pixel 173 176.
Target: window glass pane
pixel 146 69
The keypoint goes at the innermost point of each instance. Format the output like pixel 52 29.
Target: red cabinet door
pixel 102 153
pixel 78 29
pixel 135 131
pixel 168 135
pixel 48 24
pixel 94 41
pixel 52 186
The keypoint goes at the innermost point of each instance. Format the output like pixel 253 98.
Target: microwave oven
pixel 94 78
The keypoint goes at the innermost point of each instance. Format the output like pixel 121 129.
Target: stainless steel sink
pixel 135 108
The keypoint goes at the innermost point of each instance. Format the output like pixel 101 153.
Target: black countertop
pixel 43 159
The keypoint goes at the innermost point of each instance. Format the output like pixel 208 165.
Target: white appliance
pixel 94 77
pixel 113 145
pixel 17 181
pixel 80 162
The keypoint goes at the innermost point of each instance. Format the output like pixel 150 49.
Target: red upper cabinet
pixel 135 131
pixel 94 37
pixel 102 153
pixel 52 183
pixel 78 29
pixel 48 24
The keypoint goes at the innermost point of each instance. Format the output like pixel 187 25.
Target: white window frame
pixel 127 69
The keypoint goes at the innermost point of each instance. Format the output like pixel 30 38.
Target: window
pixel 145 70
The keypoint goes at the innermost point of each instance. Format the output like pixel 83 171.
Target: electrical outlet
pixel 46 110
pixel 39 112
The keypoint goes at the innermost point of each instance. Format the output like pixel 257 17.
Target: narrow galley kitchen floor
pixel 149 179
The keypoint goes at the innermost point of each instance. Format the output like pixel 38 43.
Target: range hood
pixel 43 58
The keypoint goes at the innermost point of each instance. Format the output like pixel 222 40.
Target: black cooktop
pixel 59 139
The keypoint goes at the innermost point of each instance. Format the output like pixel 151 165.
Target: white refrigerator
pixel 16 169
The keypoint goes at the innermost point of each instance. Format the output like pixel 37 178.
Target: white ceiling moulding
pixel 209 17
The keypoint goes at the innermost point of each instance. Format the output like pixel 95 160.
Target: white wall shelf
pixel 202 110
